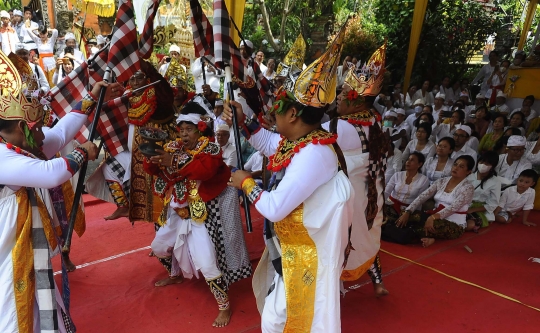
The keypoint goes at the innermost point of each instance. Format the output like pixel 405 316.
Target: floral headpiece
pixel 284 99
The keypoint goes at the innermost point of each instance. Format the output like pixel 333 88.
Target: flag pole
pixel 82 171
pixel 203 71
pixel 228 81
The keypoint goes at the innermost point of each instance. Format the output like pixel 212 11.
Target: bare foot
pixel 223 318
pixel 170 280
pixel 151 254
pixel 118 213
pixel 380 290
pixel 427 241
pixel 70 267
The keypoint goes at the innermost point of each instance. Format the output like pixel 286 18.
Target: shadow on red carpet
pixel 118 294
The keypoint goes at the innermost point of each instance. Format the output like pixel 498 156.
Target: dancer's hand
pixel 228 113
pixel 92 150
pixel 163 158
pixel 237 178
pixel 113 90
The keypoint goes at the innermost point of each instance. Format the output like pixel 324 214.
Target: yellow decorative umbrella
pixel 104 8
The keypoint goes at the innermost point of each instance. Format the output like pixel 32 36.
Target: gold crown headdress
pixel 368 80
pixel 176 74
pixel 316 85
pixel 295 56
pixel 13 103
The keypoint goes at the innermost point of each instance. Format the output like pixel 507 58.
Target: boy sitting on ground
pixel 518 198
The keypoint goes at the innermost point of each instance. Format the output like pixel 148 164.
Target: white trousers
pixel 274 314
pixel 190 246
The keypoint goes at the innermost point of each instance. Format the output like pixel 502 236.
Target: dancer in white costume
pixel 308 212
pixel 30 299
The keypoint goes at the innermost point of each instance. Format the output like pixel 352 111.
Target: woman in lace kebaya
pixel 453 196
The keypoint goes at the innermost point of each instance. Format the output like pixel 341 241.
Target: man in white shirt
pixel 28 26
pixel 227 149
pixel 447 91
pixel 254 165
pixel 43 84
pixel 77 56
pixel 514 161
pixel 478 102
pixel 174 52
pixel 417 107
pixel 438 106
pixel 8 36
pixel 17 23
pixel 259 58
pixel 461 136
pixel 486 71
pixel 500 104
pixel 526 105
pixel 212 74
pixel 401 123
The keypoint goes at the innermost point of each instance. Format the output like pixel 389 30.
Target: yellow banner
pixel 531 10
pixel 522 82
pixel 418 21
pixel 236 10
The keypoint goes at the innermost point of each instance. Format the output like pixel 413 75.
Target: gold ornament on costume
pixel 369 79
pixel 28 78
pixel 316 85
pixel 176 74
pixel 296 55
pixel 13 104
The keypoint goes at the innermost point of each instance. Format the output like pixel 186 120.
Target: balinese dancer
pixel 364 147
pixel 201 228
pixel 31 301
pixel 297 281
pixel 128 186
pixel 177 78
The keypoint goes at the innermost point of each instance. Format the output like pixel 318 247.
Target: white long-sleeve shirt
pixel 511 172
pixel 484 73
pixel 212 77
pixel 489 193
pixel 406 193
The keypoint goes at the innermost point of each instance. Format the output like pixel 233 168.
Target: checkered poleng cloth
pixel 45 289
pixel 124 49
pixel 266 89
pixel 146 44
pixel 69 91
pixel 203 38
pixel 119 171
pixel 225 50
pixel 113 127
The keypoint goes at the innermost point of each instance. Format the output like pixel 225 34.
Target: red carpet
pixel 117 294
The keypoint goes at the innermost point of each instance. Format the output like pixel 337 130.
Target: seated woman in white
pixel 421 144
pixel 405 186
pixel 440 165
pixel 453 196
pixel 487 191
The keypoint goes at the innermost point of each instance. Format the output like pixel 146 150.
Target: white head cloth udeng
pixel 193 118
pixel 199 100
pixel 248 43
pixel 516 141
pixel 464 128
pixel 390 114
pixel 17 12
pixel 4 14
pixel 69 36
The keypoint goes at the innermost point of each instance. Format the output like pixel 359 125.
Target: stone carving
pixel 64 21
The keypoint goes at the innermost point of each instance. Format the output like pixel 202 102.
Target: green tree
pixel 453 31
pixel 10 4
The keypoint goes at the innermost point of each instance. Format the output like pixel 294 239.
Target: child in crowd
pixel 518 198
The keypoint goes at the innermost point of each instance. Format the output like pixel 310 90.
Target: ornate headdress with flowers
pixel 295 57
pixel 14 104
pixel 316 85
pixel 176 74
pixel 368 80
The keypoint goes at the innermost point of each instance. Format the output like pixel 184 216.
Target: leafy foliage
pixel 10 4
pixel 453 31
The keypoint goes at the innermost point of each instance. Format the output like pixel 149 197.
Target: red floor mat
pixel 117 295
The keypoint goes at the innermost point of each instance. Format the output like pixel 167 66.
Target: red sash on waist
pixel 439 208
pixel 397 204
pixel 493 96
